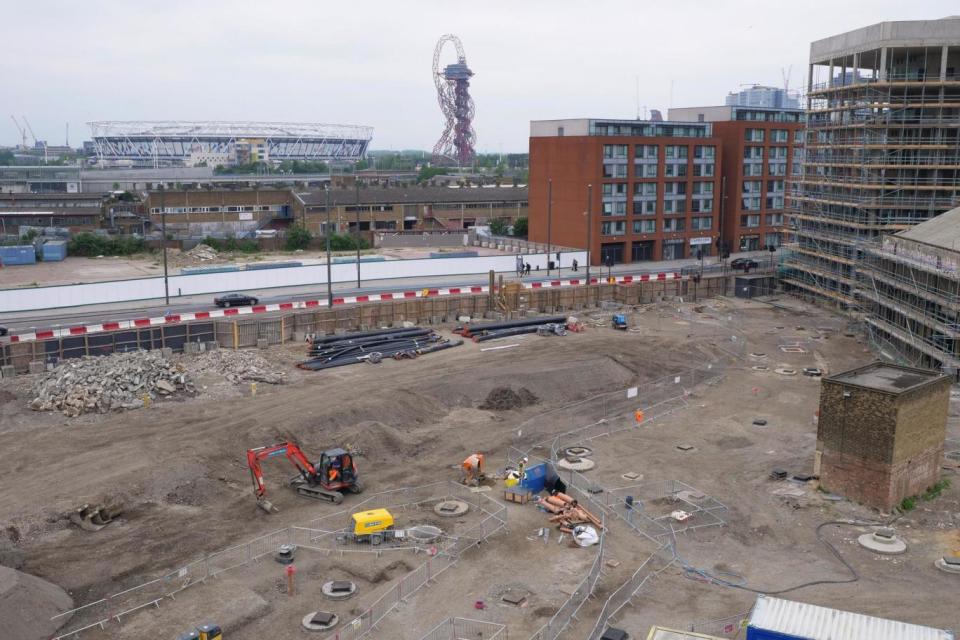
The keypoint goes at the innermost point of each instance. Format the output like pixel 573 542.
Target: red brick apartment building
pixel 655 187
pixel 762 149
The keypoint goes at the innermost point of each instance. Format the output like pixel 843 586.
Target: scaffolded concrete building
pixel 882 147
pixel 909 288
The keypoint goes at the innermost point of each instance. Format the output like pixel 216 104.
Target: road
pixel 29 321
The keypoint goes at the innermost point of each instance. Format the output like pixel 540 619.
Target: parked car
pixel 3 331
pixel 235 300
pixel 744 264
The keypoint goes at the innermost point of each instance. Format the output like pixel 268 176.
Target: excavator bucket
pixel 89 518
pixel 267 506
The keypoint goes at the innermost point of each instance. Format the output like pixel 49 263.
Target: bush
pixel 346 242
pixel 297 238
pixel 88 244
pixel 520 228
pixel 499 227
pixel 428 172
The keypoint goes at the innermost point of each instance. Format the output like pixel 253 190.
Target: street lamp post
pixel 589 227
pixel 356 184
pixel 549 219
pixel 329 272
pixel 163 243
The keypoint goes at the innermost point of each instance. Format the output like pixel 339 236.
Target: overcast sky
pixel 370 62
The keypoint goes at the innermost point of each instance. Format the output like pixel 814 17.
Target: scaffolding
pixel 882 154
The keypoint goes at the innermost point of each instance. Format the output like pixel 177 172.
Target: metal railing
pixel 467 629
pixel 625 593
pixel 730 626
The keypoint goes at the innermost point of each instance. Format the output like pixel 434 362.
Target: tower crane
pixel 35 141
pixel 23 133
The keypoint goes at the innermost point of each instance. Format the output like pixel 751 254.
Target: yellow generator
pixel 374 526
pixel 203 632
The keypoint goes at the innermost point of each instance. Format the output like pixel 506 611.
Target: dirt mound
pixel 373 439
pixel 27 603
pixel 505 398
pixel 202 253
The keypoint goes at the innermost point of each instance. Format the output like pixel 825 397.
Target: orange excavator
pixel 335 473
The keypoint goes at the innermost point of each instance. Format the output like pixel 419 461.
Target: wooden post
pixel 236 334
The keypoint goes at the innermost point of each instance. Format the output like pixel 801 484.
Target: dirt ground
pixel 81 270
pixel 179 468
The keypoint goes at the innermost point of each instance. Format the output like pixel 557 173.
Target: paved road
pixel 29 321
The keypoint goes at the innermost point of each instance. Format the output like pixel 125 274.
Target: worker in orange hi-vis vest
pixel 638 415
pixel 472 469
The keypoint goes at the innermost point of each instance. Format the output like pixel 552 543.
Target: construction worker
pixel 472 469
pixel 522 469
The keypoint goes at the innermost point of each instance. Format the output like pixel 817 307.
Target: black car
pixel 744 264
pixel 235 300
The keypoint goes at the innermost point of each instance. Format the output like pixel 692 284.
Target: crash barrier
pixel 240 331
pixel 467 629
pixel 116 608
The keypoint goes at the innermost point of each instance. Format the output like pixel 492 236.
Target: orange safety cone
pixel 638 415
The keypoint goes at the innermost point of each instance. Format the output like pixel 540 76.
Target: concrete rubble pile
pixel 203 253
pixel 236 366
pixel 102 384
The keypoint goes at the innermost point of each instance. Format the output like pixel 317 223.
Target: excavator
pixel 335 473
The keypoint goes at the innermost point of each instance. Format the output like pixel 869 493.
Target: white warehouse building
pixel 188 144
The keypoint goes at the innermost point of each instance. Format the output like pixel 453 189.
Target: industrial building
pixel 653 187
pixel 882 147
pixel 881 433
pixel 762 149
pixel 188 144
pixel 764 97
pixel 910 293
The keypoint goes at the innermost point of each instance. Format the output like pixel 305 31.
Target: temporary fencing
pixel 319 536
pixel 728 627
pixel 467 629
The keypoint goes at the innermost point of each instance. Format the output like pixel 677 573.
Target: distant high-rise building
pixel 765 97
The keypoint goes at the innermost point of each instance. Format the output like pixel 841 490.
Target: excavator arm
pixel 288 449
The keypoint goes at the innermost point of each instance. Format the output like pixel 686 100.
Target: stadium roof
pixel 218 129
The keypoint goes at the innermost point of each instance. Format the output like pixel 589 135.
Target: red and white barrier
pixel 139 323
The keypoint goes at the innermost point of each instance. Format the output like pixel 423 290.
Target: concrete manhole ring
pixel 578 464
pixel 887 544
pixel 424 533
pixel 760 367
pixel 949 567
pixel 338 589
pixel 451 508
pixel 786 372
pixel 758 355
pixel 310 625
pixel 577 452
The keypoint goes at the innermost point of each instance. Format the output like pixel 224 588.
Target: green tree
pixel 298 238
pixel 7 158
pixel 520 227
pixel 429 172
pixel 499 226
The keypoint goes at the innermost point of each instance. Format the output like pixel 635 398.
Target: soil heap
pixel 505 398
pixel 27 603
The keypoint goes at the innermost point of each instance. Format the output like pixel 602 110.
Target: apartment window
pixel 778 153
pixel 643 250
pixel 674 224
pixel 702 188
pixel 798 136
pixel 645 151
pixel 775 202
pixel 613 228
pixel 752 186
pixel 749 243
pixel 751 204
pixel 614 208
pixel 752 170
pixel 779 135
pixel 674 206
pixel 753 153
pixel 701 224
pixel 645 207
pixel 615 151
pixel 674 152
pixel 675 170
pixel 649 171
pixel 644 226
pixel 750 221
pixel 703 170
pixel 675 188
pixel 753 135
pixel 614 171
pixel 777 169
pixel 673 249
pixel 611 189
pixel 645 189
pixel 774 219
pixel 702 205
pixel 704 152
pixel 776 186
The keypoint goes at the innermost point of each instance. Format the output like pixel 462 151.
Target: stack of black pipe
pixel 494 330
pixel 327 352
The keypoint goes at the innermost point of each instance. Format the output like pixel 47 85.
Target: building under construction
pixel 909 289
pixel 882 148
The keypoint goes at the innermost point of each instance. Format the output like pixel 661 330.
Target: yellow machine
pixel 374 526
pixel 203 632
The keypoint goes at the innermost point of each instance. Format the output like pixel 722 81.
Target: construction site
pixel 528 464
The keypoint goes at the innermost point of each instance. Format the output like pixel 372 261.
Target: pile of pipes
pixel 567 512
pixel 327 352
pixel 551 325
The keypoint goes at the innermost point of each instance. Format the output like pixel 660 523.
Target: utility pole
pixel 589 227
pixel 163 241
pixel 549 219
pixel 356 183
pixel 327 234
